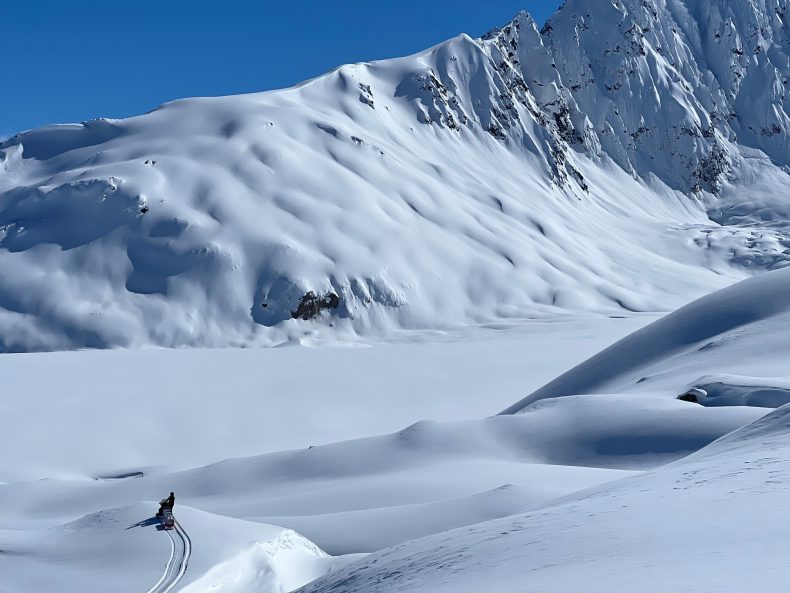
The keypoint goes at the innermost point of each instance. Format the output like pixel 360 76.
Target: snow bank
pixel 735 390
pixel 746 319
pixel 123 549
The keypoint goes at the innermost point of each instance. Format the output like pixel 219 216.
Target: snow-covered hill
pixel 525 174
pixel 730 343
pixel 714 521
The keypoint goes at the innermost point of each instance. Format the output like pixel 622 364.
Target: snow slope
pixel 475 181
pixel 736 331
pixel 710 521
pixel 714 521
pixel 122 549
pixel 356 496
pixel 71 417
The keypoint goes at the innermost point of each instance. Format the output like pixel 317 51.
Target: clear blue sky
pixel 72 60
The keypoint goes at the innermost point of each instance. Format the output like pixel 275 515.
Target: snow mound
pixel 741 323
pixel 124 548
pixel 716 521
pixel 735 390
pixel 277 566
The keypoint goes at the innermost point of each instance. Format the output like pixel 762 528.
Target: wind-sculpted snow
pixel 560 494
pixel 714 521
pixel 736 390
pixel 740 326
pixel 123 549
pixel 364 494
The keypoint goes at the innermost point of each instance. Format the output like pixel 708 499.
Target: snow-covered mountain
pixel 629 156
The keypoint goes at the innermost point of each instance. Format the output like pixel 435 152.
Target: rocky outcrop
pixel 311 305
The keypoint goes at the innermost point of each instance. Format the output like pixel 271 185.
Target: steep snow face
pixel 472 182
pixel 672 86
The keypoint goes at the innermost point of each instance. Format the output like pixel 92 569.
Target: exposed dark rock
pixel 310 305
pixel 366 95
pixel 124 476
pixel 693 395
pixel 710 171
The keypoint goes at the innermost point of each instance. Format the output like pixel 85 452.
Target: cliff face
pixel 673 88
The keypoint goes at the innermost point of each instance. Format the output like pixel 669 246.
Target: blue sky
pixel 74 60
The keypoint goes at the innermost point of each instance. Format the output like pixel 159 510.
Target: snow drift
pixel 740 327
pixel 711 522
pixel 122 547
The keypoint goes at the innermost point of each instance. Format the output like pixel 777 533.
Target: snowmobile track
pixel 176 567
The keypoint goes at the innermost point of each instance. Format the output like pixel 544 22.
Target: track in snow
pixel 176 567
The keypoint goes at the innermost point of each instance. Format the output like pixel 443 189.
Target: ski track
pixel 177 564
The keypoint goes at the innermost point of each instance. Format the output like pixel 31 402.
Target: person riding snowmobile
pixel 166 503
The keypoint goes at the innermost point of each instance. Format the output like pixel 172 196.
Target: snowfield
pixel 203 406
pixel 579 479
pixel 576 224
pixel 707 522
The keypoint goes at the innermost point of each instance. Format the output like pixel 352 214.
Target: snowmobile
pixel 167 518
pixel 165 512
